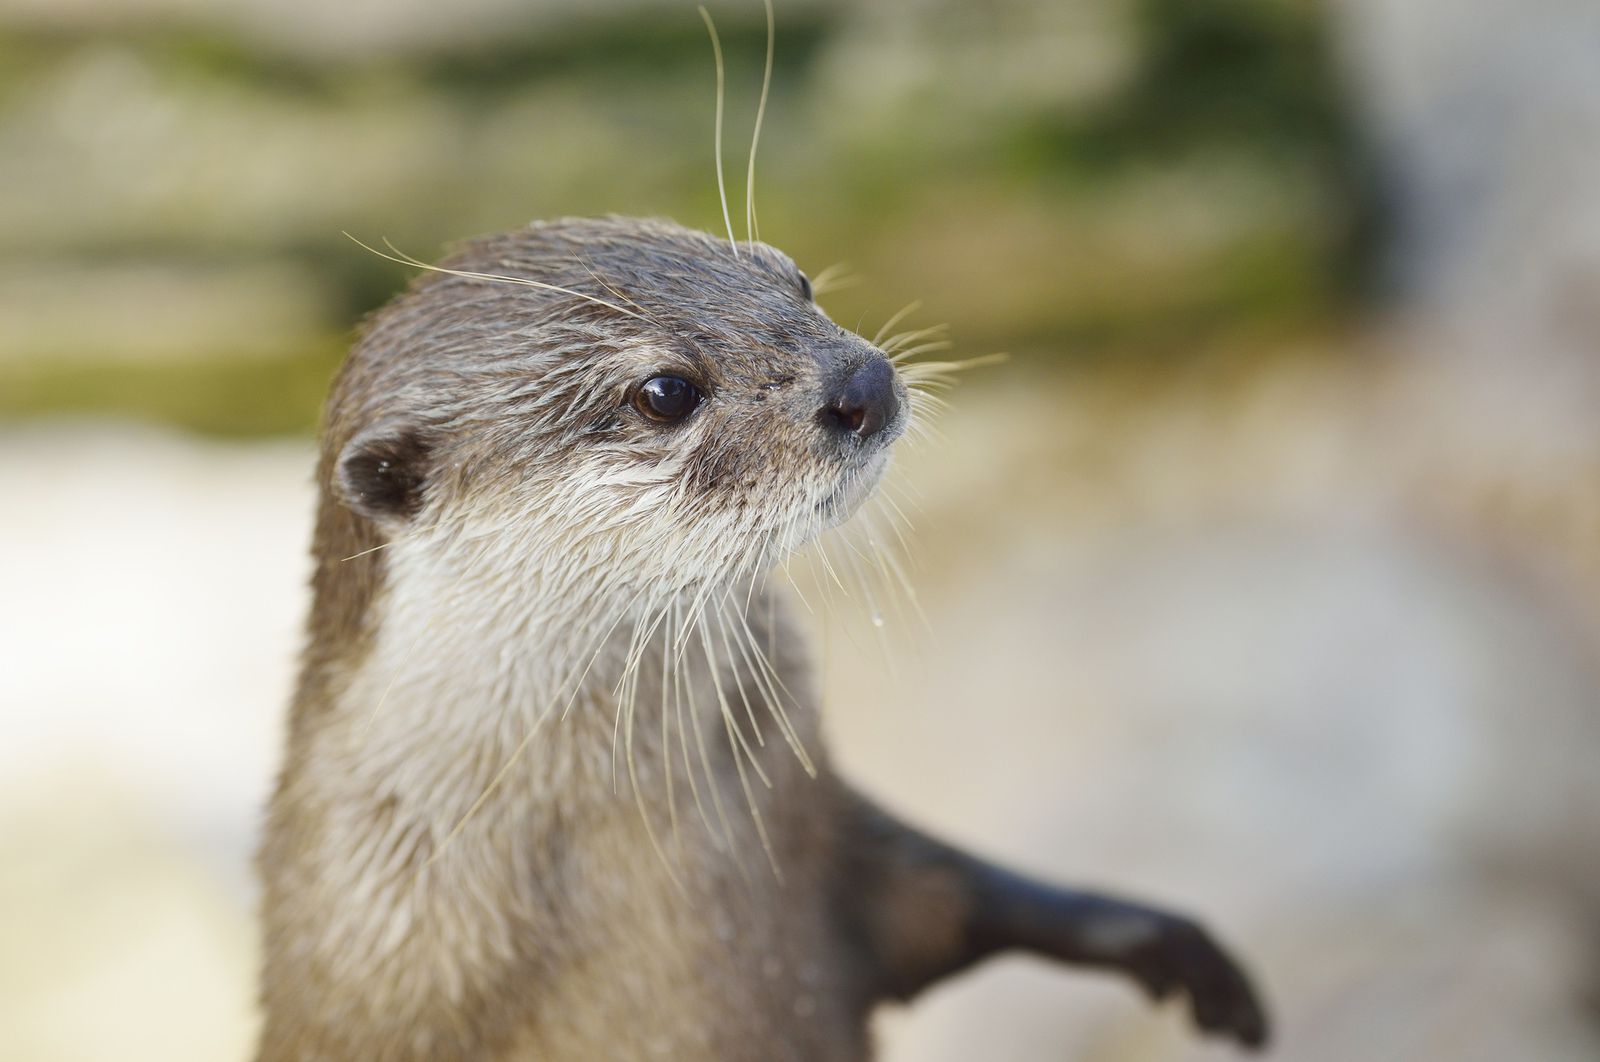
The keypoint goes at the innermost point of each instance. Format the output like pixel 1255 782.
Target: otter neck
pixel 463 681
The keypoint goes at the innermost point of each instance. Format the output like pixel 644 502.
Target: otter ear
pixel 381 472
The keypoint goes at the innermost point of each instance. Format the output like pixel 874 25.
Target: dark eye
pixel 805 287
pixel 665 399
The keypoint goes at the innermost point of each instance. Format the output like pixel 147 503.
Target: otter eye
pixel 805 287
pixel 665 399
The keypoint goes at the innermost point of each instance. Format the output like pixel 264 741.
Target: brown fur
pixel 441 886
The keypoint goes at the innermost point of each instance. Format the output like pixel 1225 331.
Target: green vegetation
pixel 225 397
pixel 1139 178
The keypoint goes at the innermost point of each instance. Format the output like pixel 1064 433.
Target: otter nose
pixel 865 402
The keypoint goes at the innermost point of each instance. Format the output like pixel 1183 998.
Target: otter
pixel 554 786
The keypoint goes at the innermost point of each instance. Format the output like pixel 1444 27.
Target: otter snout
pixel 865 403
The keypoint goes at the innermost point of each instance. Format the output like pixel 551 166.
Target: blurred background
pixel 1263 579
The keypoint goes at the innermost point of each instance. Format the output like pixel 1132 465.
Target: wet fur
pixel 538 802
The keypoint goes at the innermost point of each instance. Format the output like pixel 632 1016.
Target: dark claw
pixel 1181 955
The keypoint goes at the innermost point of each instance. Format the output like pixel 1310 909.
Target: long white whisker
pixel 899 315
pixel 666 735
pixel 366 552
pixel 621 693
pixel 736 742
pixel 406 259
pixel 738 680
pixel 917 350
pixel 527 738
pixel 752 232
pixel 727 709
pixel 832 278
pixel 722 188
pixel 705 761
pixel 633 772
pixel 772 688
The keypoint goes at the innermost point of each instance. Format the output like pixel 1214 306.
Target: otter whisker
pixel 636 648
pixel 930 434
pixel 405 259
pixel 832 278
pixel 912 335
pixel 588 267
pixel 898 521
pixel 738 680
pixel 772 623
pixel 722 701
pixel 825 579
pixel 777 535
pixel 942 371
pixel 599 648
pixel 923 437
pixel 902 589
pixel 722 188
pixel 758 561
pixel 853 558
pixel 366 552
pixel 494 783
pixel 620 694
pixel 900 495
pixel 696 607
pixel 527 738
pixel 771 684
pixel 827 565
pixel 926 403
pixel 752 230
pixel 666 733
pixel 787 571
pixel 758 554
pixel 683 687
pixel 895 318
pixel 736 741
pixel 750 550
pixel 889 562
pixel 901 356
pixel 906 345
pixel 633 776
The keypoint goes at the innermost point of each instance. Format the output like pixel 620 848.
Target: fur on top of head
pixel 631 396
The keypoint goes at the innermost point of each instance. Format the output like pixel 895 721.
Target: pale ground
pixel 1282 648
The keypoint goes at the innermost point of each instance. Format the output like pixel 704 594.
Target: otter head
pixel 624 397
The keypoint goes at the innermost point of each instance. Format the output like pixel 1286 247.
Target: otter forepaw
pixel 1180 956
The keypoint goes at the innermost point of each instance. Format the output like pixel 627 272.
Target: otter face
pixel 629 394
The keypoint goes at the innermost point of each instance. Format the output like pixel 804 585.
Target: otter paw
pixel 1181 957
